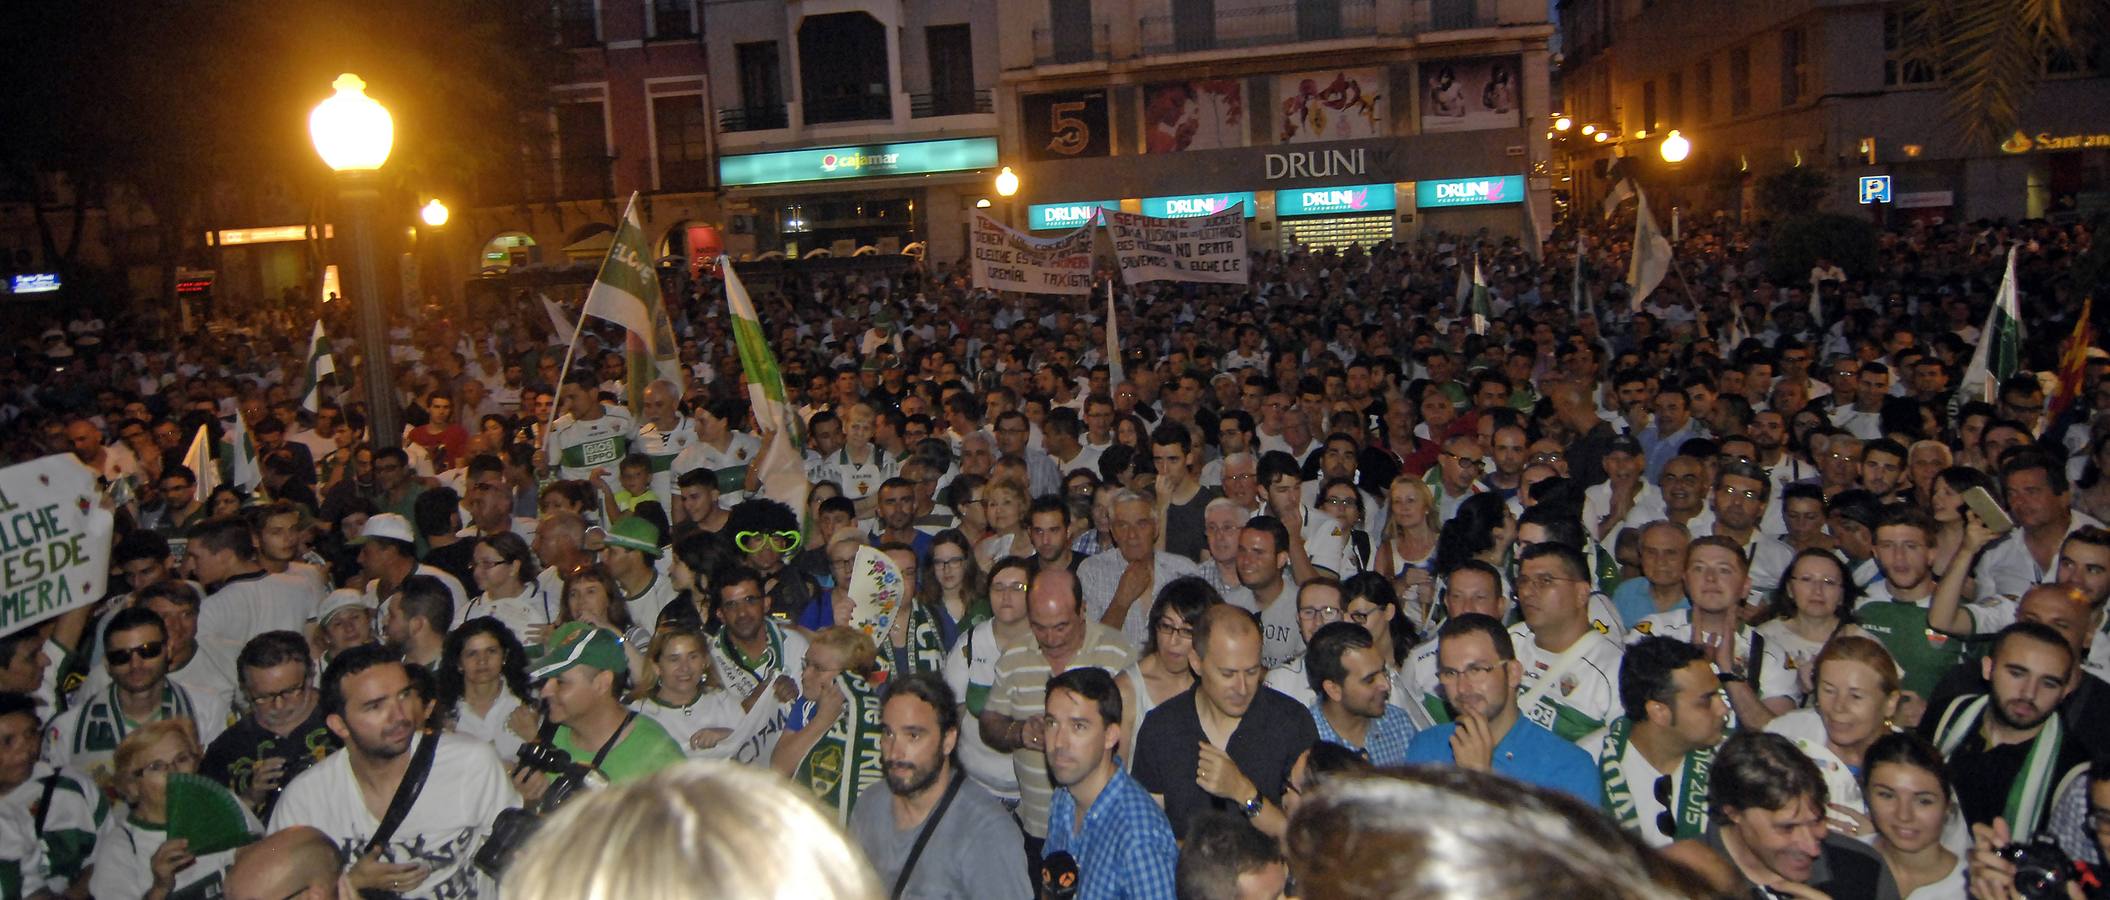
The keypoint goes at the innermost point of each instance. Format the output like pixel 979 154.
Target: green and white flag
pixel 1482 309
pixel 244 471
pixel 783 475
pixel 199 460
pixel 1999 352
pixel 320 363
pixel 1575 302
pixel 626 292
pixel 1651 259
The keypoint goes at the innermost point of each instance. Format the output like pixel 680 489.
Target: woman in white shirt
pixel 134 856
pixel 683 691
pixel 1908 797
pixel 483 680
pixel 505 573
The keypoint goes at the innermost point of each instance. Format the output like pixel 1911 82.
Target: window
pixel 1899 36
pixel 1648 106
pixel 1792 74
pixel 951 52
pixel 1193 25
pixel 1703 91
pixel 582 150
pixel 761 89
pixel 1739 81
pixel 682 134
pixel 673 19
pixel 578 23
pixel 1674 98
pixel 845 74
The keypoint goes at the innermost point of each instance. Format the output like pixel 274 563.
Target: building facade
pixel 1331 121
pixel 1760 87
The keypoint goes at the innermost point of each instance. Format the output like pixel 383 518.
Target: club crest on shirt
pixel 1644 626
pixel 1568 685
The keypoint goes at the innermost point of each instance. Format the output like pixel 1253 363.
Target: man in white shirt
pixel 2039 499
pixel 1864 418
pixel 1623 500
pixel 1121 584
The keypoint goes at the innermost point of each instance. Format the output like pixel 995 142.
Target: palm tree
pixel 1991 52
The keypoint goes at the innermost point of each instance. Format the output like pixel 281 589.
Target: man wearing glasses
pixel 140 692
pixel 1480 675
pixel 1318 605
pixel 1567 668
pixel 1457 475
pixel 1741 493
pixel 284 731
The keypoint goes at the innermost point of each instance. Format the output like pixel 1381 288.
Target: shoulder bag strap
pixel 407 792
pixel 613 740
pixel 1755 661
pixel 51 791
pixel 930 825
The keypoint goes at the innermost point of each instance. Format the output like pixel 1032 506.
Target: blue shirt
pixel 1528 753
pixel 1125 851
pixel 1384 744
pixel 1660 448
pixel 1632 601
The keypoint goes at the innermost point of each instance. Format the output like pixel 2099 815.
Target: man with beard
pixel 139 692
pixel 2014 742
pixel 1480 674
pixel 1768 804
pixel 284 731
pixel 973 848
pixel 416 624
pixel 1351 684
pixel 373 705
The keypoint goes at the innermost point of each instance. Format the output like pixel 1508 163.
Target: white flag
pixel 243 469
pixel 198 459
pixel 1999 343
pixel 1621 189
pixel 1113 342
pixel 783 475
pixel 1651 259
pixel 560 327
pixel 320 363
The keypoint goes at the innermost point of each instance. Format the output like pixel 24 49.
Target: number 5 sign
pixel 1065 124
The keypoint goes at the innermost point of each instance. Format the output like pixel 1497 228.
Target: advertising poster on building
pixel 1204 249
pixel 1194 115
pixel 54 541
pixel 1065 125
pixel 1470 94
pixel 1330 105
pixel 1009 260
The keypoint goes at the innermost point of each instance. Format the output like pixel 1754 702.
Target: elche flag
pixel 243 468
pixel 1651 259
pixel 626 292
pixel 320 364
pixel 783 477
pixel 54 541
pixel 1482 309
pixel 1999 352
pixel 199 459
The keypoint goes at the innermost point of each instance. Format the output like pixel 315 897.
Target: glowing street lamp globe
pixel 352 132
pixel 1675 147
pixel 1563 123
pixel 1007 182
pixel 434 213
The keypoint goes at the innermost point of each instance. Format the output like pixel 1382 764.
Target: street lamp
pixel 1006 182
pixel 1563 123
pixel 1589 130
pixel 353 134
pixel 1600 137
pixel 434 214
pixel 1675 147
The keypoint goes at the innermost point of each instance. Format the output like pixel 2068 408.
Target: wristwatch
pixel 1252 807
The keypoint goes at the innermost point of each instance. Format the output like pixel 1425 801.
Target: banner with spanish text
pixel 1204 249
pixel 54 541
pixel 1006 259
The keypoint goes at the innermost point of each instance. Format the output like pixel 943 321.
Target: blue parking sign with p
pixel 1875 189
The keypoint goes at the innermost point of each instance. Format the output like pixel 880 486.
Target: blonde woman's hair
pixel 1430 513
pixel 143 737
pixel 728 830
pixel 648 667
pixel 1864 650
pixel 859 652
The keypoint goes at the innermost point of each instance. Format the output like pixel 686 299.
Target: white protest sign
pixel 1208 249
pixel 54 541
pixel 1006 259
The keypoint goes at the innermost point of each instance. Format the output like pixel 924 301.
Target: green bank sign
pixel 1358 198
pixel 1066 216
pixel 865 161
pixel 1469 191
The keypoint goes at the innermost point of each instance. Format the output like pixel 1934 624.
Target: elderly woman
pixel 134 856
pixel 832 747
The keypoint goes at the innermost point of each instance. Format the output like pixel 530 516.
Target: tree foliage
pixel 1791 191
pixel 1990 52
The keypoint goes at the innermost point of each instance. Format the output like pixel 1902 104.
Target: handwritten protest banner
pixel 1208 249
pixel 54 541
pixel 1006 259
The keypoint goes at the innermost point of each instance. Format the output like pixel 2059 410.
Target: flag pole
pixel 563 371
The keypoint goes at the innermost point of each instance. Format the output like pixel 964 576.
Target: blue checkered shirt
pixel 1385 744
pixel 1126 850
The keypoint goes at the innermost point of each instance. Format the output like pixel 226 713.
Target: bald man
pixel 662 434
pixel 298 863
pixel 1228 743
pixel 1063 639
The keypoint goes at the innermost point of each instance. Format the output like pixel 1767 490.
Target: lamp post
pixel 1006 186
pixel 1676 147
pixel 353 134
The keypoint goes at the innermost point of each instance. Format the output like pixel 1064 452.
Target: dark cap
pixel 1624 443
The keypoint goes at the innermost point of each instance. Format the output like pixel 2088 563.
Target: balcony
pixel 950 103
pixel 1052 47
pixel 1454 15
pixel 752 118
pixel 856 108
pixel 1254 26
pixel 672 20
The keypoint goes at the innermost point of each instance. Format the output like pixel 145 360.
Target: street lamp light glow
pixel 1600 137
pixel 983 203
pixel 1563 123
pixel 351 131
pixel 1676 147
pixel 1007 182
pixel 1589 130
pixel 434 213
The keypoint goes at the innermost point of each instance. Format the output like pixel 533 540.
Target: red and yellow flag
pixel 2073 359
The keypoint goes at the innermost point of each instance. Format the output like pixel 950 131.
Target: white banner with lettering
pixel 54 541
pixel 1006 259
pixel 1208 249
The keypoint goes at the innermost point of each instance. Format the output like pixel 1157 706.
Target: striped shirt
pixel 1021 692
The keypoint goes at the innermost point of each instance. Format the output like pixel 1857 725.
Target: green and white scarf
pixel 1690 806
pixel 2029 795
pixel 846 761
pixel 926 643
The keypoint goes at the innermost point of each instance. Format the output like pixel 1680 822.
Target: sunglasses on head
pixel 780 541
pixel 123 656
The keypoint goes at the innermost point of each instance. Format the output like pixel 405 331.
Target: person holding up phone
pixel 2039 501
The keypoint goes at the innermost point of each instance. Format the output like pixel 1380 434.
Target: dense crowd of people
pixel 1313 590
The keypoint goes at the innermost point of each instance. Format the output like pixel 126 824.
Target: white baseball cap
pixel 339 600
pixel 388 525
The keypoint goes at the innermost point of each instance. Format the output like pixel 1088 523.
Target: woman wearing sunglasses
pixel 134 855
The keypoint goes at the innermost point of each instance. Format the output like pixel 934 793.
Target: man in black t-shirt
pixel 1182 500
pixel 1228 742
pixel 283 733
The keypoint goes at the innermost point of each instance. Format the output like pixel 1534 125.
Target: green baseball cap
pixel 634 533
pixel 580 644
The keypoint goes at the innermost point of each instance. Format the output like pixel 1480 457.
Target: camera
pixel 2042 869
pixel 514 826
